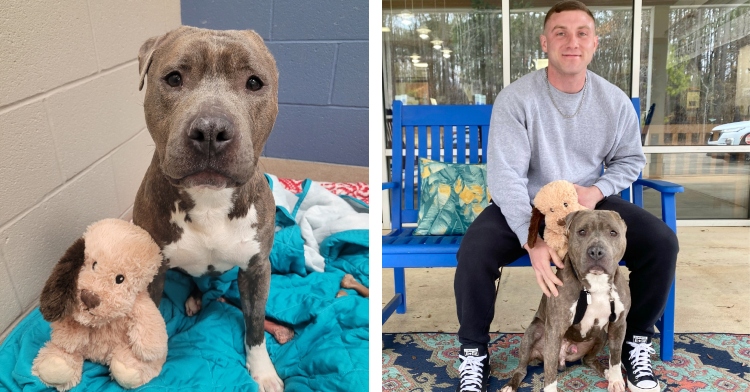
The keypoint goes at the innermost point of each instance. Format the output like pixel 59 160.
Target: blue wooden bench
pixel 417 133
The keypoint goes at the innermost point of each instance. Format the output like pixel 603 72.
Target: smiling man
pixel 561 123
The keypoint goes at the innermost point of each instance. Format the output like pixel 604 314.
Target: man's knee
pixel 659 244
pixel 664 239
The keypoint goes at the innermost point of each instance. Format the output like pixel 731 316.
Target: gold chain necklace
pixel 549 91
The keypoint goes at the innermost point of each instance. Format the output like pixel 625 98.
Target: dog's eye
pixel 93 266
pixel 119 279
pixel 254 83
pixel 174 79
pixel 582 232
pixel 565 205
pixel 613 233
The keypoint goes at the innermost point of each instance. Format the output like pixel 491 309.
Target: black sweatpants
pixel 489 243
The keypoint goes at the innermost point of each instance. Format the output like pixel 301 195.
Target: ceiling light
pixel 386 29
pixel 424 32
pixel 446 53
pixel 421 65
pixel 406 17
pixel 437 44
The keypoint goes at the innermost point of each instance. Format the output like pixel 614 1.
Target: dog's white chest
pixel 210 241
pixel 600 308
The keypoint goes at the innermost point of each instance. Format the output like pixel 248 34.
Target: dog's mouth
pixel 597 270
pixel 204 179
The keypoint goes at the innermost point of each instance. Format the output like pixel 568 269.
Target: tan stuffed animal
pixel 97 302
pixel 553 203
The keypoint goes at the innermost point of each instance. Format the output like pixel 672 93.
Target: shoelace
pixel 471 373
pixel 640 358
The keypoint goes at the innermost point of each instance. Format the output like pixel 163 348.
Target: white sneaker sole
pixel 634 388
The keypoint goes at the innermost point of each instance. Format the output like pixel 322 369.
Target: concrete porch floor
pixel 713 289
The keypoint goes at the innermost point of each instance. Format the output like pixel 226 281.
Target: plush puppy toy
pixel 97 302
pixel 553 203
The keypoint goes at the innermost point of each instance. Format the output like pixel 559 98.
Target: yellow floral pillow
pixel 452 195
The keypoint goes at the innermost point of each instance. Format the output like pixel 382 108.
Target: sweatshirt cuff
pixel 522 232
pixel 605 187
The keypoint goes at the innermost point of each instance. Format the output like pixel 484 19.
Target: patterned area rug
pixel 429 362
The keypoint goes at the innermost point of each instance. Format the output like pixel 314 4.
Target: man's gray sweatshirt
pixel 531 144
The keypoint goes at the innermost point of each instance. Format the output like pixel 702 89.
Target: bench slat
pixel 409 169
pixel 447 144
pixel 473 144
pixel 435 140
pixel 461 144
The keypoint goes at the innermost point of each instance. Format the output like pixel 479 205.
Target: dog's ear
pixel 59 293
pixel 145 54
pixel 616 215
pixel 569 221
pixel 536 219
pixel 619 220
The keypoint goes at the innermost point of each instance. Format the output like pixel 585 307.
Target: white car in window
pixel 732 134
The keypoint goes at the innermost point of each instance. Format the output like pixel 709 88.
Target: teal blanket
pixel 329 351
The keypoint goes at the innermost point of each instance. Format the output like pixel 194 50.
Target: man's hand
pixel 588 196
pixel 540 256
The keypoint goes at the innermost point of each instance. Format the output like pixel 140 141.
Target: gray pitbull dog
pixel 596 243
pixel 210 105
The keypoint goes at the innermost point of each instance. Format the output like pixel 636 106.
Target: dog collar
pixel 584 299
pixel 583 302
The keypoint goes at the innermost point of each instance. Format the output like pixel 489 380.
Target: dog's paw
pixel 349 282
pixel 507 388
pixel 282 333
pixel 615 379
pixel 269 383
pixel 618 386
pixel 262 370
pixel 192 306
pixel 266 377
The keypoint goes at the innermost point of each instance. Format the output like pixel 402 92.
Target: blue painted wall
pixel 321 51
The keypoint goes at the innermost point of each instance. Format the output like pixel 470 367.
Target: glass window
pixel 717 185
pixel 455 56
pixel 442 57
pixel 695 91
pixel 695 73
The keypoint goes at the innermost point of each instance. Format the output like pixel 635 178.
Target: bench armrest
pixel 391 185
pixel 395 192
pixel 661 186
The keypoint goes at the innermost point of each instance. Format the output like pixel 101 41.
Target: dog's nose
pixel 211 134
pixel 89 299
pixel 596 252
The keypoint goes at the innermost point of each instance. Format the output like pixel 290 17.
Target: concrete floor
pixel 713 290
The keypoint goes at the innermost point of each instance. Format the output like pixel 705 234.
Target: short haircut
pixel 568 5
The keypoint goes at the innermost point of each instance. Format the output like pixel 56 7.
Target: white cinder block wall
pixel 74 140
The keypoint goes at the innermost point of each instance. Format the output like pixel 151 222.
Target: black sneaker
pixel 474 372
pixel 636 359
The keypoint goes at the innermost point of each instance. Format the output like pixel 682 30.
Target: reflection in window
pixel 695 72
pixel 455 56
pixel 716 184
pixel 438 57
